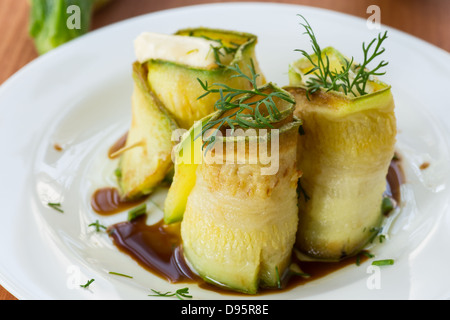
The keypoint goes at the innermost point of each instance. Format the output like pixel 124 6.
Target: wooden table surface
pixel 428 20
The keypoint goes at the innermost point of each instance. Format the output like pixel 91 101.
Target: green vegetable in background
pixel 55 22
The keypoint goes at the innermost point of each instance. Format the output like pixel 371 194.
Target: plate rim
pixel 14 288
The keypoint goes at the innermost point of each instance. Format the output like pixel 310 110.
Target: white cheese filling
pixel 191 51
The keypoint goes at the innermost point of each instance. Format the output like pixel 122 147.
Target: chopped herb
pixel 56 206
pixel 118 173
pixel 278 277
pixel 87 284
pixel 374 231
pixel 386 262
pixel 295 270
pixel 218 53
pixel 302 274
pixel 97 226
pixel 382 237
pixel 363 253
pixel 136 212
pixel 387 205
pixel 120 274
pixel 180 294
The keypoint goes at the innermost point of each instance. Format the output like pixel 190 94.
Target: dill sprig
pixel 56 206
pixel 236 112
pixel 352 78
pixel 217 49
pixel 180 293
pixel 361 255
pixel 120 274
pixel 385 262
pixel 97 226
pixel 87 284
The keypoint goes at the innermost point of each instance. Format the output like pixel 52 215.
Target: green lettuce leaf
pixel 55 22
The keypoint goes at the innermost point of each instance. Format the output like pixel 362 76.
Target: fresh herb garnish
pixel 56 206
pixel 87 284
pixel 118 173
pixel 387 205
pixel 295 270
pixel 277 274
pixel 120 274
pixel 301 274
pixel 97 226
pixel 374 231
pixel 386 262
pixel 217 49
pixel 136 212
pixel 238 113
pixel 180 294
pixel 351 79
pixel 363 253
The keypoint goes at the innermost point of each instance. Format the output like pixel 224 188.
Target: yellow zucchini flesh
pixel 238 226
pixel 344 153
pixel 147 159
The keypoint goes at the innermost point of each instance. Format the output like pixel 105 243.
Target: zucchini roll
pixel 166 93
pixel 238 211
pixel 175 63
pixel 345 149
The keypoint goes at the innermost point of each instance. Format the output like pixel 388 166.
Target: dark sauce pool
pixel 158 248
pixel 107 201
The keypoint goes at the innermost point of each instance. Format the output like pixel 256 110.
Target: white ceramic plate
pixel 79 97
